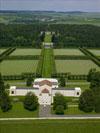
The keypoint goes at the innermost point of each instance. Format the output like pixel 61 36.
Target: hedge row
pixel 69 76
pixel 27 57
pixel 94 58
pixel 53 63
pixel 67 57
pixel 20 77
pixel 40 63
pixel 6 53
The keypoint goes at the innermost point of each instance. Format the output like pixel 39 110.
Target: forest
pixel 63 35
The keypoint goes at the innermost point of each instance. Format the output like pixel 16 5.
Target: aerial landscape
pixel 49 66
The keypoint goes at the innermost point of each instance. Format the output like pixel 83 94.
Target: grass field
pixel 75 66
pixel 75 52
pixel 2 50
pixel 24 52
pixel 18 111
pixel 50 126
pixel 95 51
pixel 11 67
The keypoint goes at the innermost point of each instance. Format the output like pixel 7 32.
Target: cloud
pixel 57 5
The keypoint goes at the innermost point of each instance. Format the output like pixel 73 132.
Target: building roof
pixel 21 88
pixel 45 81
pixel 49 79
pixel 68 89
pixel 64 89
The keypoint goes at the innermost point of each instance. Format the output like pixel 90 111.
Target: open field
pixel 2 50
pixel 50 126
pixel 16 67
pixel 18 111
pixel 24 52
pixel 75 66
pixel 95 51
pixel 75 52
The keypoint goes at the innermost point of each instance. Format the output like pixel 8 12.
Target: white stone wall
pixel 23 92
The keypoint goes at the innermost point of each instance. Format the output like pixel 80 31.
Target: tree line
pixel 63 35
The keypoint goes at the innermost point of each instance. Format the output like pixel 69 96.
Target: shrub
pixel 59 110
pixel 31 102
pixel 86 101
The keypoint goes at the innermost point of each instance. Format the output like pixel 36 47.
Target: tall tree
pixel 59 99
pixel 31 102
pixel 86 101
pixel 2 87
pixel 5 102
pixel 62 82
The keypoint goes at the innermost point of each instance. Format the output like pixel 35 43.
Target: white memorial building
pixel 45 89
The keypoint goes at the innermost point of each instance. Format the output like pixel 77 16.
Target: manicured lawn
pixel 11 67
pixel 75 66
pixel 18 111
pixel 75 111
pixel 47 63
pixel 82 86
pixel 75 52
pixel 95 51
pixel 50 126
pixel 24 52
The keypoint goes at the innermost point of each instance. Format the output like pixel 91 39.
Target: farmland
pixel 75 66
pixel 23 52
pixel 17 67
pixel 51 126
pixel 75 52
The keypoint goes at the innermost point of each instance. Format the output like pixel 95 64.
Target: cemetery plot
pixel 24 52
pixel 17 67
pixel 75 66
pixel 95 51
pixel 69 52
pixel 2 50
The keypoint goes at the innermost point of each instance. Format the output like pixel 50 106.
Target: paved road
pixel 44 111
pixel 53 118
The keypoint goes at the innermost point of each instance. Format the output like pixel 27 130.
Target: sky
pixel 51 5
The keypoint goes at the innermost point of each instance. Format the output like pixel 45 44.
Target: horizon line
pixel 51 10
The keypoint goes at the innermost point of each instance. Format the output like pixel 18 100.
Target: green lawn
pixel 18 111
pixel 95 51
pixel 68 52
pixel 75 66
pixel 24 52
pixel 82 86
pixel 47 63
pixel 50 126
pixel 76 111
pixel 2 50
pixel 11 67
